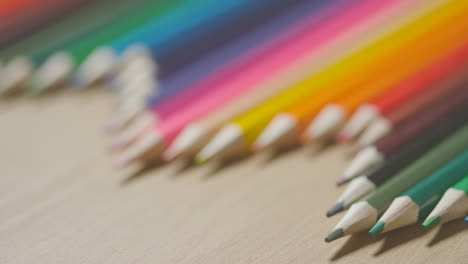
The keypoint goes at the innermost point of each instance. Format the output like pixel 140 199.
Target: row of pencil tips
pixel 58 71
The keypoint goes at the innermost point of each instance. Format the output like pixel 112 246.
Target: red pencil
pixel 12 7
pixel 412 87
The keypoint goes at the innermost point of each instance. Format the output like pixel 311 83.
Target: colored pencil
pixel 417 202
pixel 259 70
pixel 373 156
pixel 185 25
pixel 197 134
pixel 59 66
pixel 297 42
pixel 368 182
pixel 34 17
pixel 466 220
pixel 406 91
pixel 453 205
pixel 33 49
pixel 363 214
pixel 244 129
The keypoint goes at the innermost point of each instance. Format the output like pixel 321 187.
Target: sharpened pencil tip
pixel 431 222
pixel 200 159
pixel 334 235
pixel 338 207
pixel 256 147
pixel 342 138
pixel 117 146
pixel 342 181
pixel 377 229
pixel 122 163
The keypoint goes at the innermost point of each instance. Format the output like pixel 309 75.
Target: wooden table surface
pixel 61 201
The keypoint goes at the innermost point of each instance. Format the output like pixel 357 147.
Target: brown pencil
pixel 387 122
pixel 34 17
pixel 414 126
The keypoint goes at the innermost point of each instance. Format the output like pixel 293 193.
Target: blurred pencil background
pixel 212 81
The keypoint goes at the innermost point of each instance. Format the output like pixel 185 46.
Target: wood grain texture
pixel 62 202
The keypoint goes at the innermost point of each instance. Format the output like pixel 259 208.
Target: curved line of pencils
pixel 214 80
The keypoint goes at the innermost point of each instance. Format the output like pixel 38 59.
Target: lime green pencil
pixel 363 214
pixel 31 51
pixel 59 66
pixel 453 205
pixel 417 202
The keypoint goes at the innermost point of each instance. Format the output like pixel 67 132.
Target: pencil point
pixel 187 142
pixel 281 129
pixel 342 181
pixel 15 74
pixel 338 207
pixel 334 235
pixel 54 71
pixel 96 66
pixel 377 229
pixel 200 159
pixel 359 121
pixel 122 163
pixel 431 222
pixel 342 138
pixel 119 145
pixel 326 124
pixel 227 143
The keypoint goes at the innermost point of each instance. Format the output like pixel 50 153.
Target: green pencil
pixel 33 49
pixel 453 205
pixel 363 214
pixel 417 202
pixel 59 66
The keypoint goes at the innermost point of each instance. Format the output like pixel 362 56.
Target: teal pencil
pixel 453 205
pixel 466 220
pixel 417 202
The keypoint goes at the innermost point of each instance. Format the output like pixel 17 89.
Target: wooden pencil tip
pixel 431 222
pixel 338 207
pixel 377 229
pixel 122 163
pixel 200 159
pixel 117 146
pixel 342 138
pixel 334 235
pixel 342 181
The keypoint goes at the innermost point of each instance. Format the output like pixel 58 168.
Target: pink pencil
pixel 265 66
